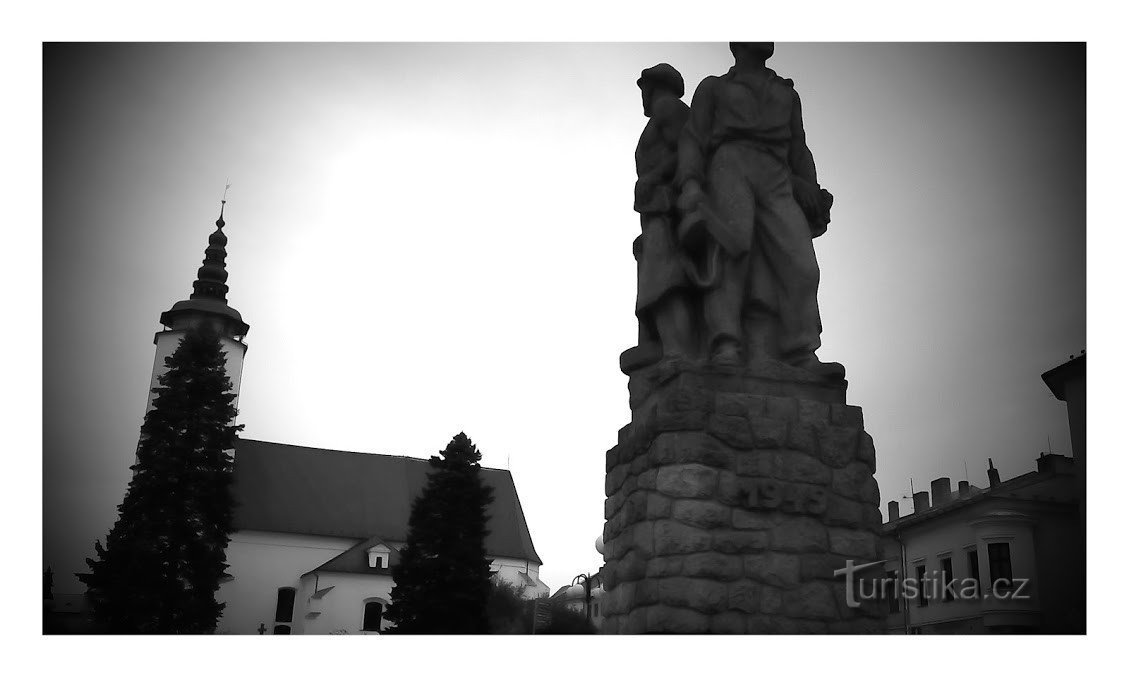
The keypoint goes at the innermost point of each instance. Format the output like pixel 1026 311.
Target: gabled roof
pixel 302 490
pixel 355 560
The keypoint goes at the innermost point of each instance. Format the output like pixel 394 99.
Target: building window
pixel 284 609
pixel 946 579
pixel 974 570
pixel 374 612
pixel 922 598
pixel 999 564
pixel 891 592
pixel 282 629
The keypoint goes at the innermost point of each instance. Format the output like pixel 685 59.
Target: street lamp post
pixel 587 580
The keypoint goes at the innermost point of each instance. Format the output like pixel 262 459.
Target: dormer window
pixel 378 556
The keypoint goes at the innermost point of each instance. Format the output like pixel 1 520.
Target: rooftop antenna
pixel 965 469
pixel 910 490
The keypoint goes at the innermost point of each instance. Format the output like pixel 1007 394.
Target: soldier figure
pixel 665 327
pixel 748 186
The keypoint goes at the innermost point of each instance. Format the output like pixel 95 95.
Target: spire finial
pixel 211 278
pixel 223 202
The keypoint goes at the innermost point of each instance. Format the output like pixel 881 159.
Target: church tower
pixel 207 306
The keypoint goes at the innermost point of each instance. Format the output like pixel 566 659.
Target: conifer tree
pixel 164 557
pixel 443 580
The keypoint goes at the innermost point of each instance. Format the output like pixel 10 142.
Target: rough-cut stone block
pixel 770 432
pixel 774 568
pixel 803 437
pixel 843 512
pixel 682 409
pixel 800 534
pixel 850 481
pixel 733 430
pixel 661 567
pixel 748 519
pixel 687 481
pixel 713 565
pixel 636 622
pixel 785 408
pixel 728 623
pixel 866 450
pixel 658 506
pixel 846 415
pixel 820 565
pixel 635 508
pixel 736 542
pixel 638 465
pixel 705 514
pixel 621 599
pixel 675 538
pixel 643 538
pixel 837 445
pixel 760 463
pixel 771 600
pixel 611 459
pixel 811 413
pixel 739 404
pixel 631 568
pixel 614 479
pixel 646 479
pixel 811 600
pixel 661 618
pixel 853 543
pixel 745 596
pixel 796 466
pixel 729 488
pixel 697 593
pixel 647 591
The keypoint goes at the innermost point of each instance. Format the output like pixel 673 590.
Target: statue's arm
pixel 694 139
pixel 799 155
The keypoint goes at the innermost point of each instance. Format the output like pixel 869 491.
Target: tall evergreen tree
pixel 164 557
pixel 442 582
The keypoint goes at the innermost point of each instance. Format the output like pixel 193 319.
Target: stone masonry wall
pixel 729 512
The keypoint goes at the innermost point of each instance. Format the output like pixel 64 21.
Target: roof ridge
pixel 349 451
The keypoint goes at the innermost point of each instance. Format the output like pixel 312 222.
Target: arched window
pixel 284 608
pixel 374 613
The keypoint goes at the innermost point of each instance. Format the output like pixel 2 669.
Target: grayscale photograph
pixel 564 338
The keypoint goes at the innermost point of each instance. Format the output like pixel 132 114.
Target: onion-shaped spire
pixel 211 278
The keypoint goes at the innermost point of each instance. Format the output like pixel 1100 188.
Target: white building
pixel 317 531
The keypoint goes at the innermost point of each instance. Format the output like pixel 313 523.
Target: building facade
pixel 1008 558
pixel 317 531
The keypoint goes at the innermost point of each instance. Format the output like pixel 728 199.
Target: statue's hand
pixel 690 196
pixel 807 195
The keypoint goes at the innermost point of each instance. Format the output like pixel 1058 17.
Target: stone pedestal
pixel 733 497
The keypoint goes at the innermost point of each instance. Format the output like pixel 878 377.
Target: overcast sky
pixel 434 238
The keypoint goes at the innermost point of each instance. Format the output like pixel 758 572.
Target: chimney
pixel 893 510
pixel 942 491
pixel 993 475
pixel 963 489
pixel 921 501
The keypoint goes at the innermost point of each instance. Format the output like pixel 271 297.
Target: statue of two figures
pixel 729 204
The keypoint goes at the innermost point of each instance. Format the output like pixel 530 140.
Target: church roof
pixel 302 490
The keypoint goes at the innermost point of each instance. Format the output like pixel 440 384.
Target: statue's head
pixel 657 81
pixel 758 52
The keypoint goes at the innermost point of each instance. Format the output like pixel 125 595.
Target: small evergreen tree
pixel 442 582
pixel 164 557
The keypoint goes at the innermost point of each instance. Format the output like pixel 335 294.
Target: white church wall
pixel 340 611
pixel 260 563
pixel 510 569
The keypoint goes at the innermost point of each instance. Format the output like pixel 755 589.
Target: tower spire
pixel 211 278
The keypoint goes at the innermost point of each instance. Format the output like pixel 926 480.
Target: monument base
pixel 734 497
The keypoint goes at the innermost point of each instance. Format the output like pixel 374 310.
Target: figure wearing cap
pixel 661 305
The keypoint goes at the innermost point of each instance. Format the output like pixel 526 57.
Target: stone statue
pixel 750 204
pixel 662 305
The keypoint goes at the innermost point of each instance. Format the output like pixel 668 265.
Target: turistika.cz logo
pixel 932 586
